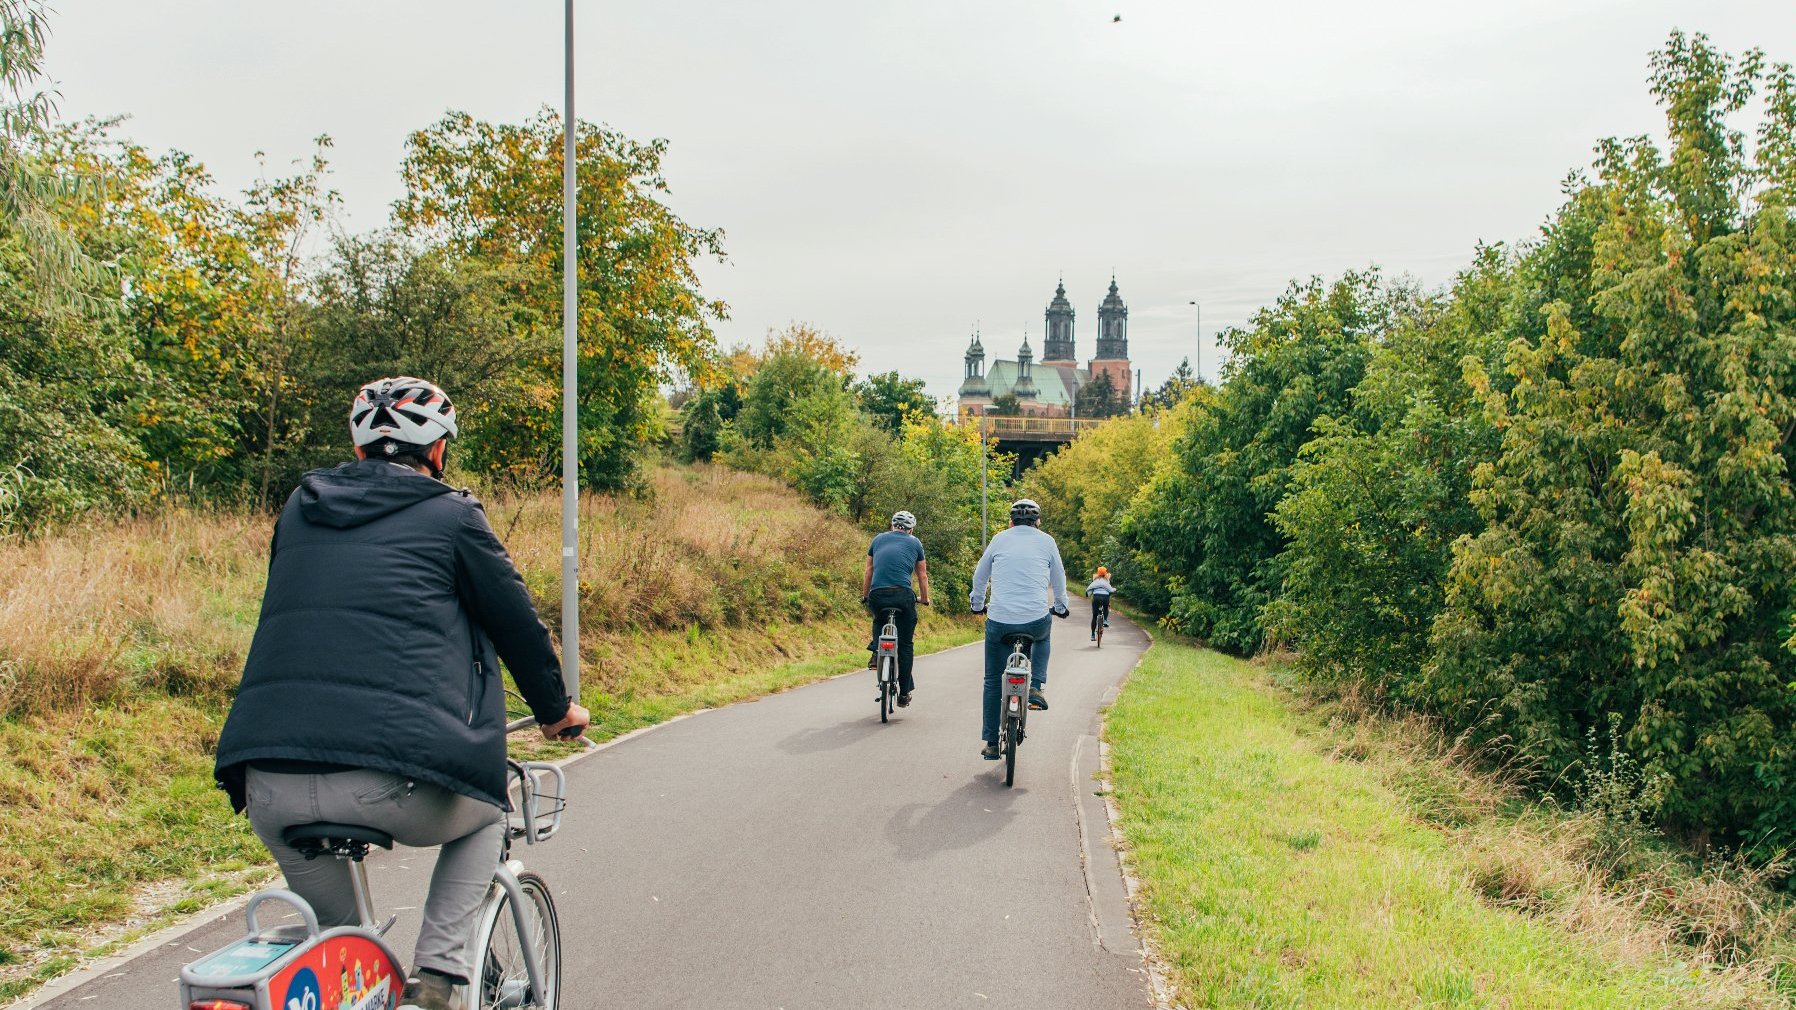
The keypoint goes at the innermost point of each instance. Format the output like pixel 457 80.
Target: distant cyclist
pixel 1022 567
pixel 371 694
pixel 1099 592
pixel 892 559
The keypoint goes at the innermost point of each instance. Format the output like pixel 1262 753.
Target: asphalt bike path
pixel 794 853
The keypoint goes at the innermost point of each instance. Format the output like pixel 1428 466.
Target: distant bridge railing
pixel 1034 429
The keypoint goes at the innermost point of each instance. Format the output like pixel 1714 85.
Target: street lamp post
pixel 570 370
pixel 1198 368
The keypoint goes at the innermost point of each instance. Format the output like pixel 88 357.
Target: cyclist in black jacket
pixel 372 692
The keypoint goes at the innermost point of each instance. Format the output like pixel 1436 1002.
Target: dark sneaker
pixel 1094 636
pixel 872 660
pixel 1037 703
pixel 991 752
pixel 429 991
pixel 904 700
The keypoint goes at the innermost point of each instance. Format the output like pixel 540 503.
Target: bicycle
pixel 1013 700
pixel 1100 605
pixel 886 666
pixel 353 968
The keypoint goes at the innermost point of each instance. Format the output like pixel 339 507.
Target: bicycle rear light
pixel 1016 680
pixel 217 1004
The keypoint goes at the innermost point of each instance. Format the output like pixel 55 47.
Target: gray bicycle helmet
pixel 902 520
pixel 1025 511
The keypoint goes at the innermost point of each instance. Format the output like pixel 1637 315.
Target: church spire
pixel 1113 326
pixel 973 382
pixel 1024 386
pixel 1058 345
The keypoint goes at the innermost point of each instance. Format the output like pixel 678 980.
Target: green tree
pixel 383 304
pixel 791 389
pixel 1207 523
pixel 890 398
pixel 1380 495
pixel 1088 484
pixel 30 191
pixel 1641 529
pixel 493 191
pixel 702 419
pixel 1100 398
pixel 1181 381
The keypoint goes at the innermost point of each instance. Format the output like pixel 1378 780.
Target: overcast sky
pixel 896 171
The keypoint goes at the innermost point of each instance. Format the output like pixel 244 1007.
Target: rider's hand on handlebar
pixel 1060 611
pixel 571 725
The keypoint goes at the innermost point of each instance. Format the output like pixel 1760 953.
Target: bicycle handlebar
pixel 529 722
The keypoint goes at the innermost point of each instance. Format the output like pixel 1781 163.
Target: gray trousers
pixel 470 831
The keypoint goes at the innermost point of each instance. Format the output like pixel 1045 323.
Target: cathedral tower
pixel 973 383
pixel 1024 387
pixel 1113 327
pixel 1058 347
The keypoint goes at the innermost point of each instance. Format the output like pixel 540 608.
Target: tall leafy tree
pixel 1641 528
pixel 890 398
pixel 1207 523
pixel 493 191
pixel 1379 495
pixel 1100 398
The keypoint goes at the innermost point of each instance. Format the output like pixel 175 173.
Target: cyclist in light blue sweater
pixel 1022 567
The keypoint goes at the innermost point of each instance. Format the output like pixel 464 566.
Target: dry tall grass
pixel 1643 899
pixel 164 603
pixel 168 603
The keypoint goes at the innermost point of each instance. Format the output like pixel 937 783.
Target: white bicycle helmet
pixel 904 521
pixel 405 409
pixel 1025 511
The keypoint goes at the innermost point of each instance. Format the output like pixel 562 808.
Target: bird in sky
pixel 1117 20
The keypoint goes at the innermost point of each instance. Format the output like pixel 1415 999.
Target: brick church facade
pixel 1047 388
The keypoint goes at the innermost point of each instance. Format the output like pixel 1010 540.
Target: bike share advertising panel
pixel 340 970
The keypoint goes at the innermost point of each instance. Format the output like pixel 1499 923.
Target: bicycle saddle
pixel 314 840
pixel 1019 638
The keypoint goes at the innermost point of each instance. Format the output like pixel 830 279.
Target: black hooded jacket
pixel 387 596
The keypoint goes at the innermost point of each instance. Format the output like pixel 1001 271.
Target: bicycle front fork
pixel 507 878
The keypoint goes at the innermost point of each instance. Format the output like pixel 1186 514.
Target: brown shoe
pixel 429 991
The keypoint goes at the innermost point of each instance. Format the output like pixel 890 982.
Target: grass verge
pixel 1278 870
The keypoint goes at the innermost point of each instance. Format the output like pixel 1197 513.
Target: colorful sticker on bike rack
pixel 339 973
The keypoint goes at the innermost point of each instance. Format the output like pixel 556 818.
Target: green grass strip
pixel 1274 875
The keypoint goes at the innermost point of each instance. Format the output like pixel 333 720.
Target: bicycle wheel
pixel 1012 736
pixel 885 688
pixel 1100 634
pixel 502 979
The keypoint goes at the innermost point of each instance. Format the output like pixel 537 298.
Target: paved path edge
pixel 1159 983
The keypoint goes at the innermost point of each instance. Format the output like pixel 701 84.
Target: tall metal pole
pixel 570 381
pixel 1198 370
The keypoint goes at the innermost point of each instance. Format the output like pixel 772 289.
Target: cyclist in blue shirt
pixel 892 558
